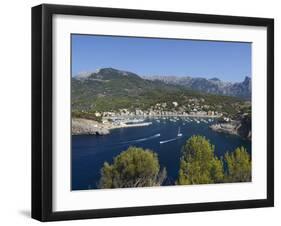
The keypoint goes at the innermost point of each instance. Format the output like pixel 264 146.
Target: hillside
pixel 111 90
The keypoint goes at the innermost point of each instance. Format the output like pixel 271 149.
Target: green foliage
pixel 217 173
pixel 134 167
pixel 238 166
pixel 198 163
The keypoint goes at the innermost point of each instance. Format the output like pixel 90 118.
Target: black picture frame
pixel 42 111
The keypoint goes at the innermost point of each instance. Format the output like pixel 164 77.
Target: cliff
pixel 88 127
pixel 240 127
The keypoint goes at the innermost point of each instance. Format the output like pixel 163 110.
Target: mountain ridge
pixel 213 86
pixel 199 84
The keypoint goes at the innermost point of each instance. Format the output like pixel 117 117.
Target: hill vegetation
pixel 110 90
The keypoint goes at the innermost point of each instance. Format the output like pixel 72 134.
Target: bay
pixel 90 152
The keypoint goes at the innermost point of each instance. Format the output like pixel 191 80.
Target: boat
pixel 179 132
pixel 135 120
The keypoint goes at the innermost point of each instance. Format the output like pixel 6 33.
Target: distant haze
pixel 227 61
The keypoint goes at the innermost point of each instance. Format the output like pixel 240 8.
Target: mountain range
pixel 113 82
pixel 111 89
pixel 214 85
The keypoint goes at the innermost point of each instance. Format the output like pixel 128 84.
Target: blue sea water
pixel 90 152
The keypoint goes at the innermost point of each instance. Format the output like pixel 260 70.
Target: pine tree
pixel 198 164
pixel 134 167
pixel 238 166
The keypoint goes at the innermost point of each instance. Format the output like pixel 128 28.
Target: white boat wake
pixel 167 141
pixel 142 139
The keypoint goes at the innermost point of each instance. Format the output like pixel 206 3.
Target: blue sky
pixel 228 61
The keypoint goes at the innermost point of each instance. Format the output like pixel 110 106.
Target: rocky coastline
pixel 240 128
pixel 81 126
pixel 229 128
pixel 88 127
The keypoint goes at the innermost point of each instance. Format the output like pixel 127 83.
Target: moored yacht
pixel 179 132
